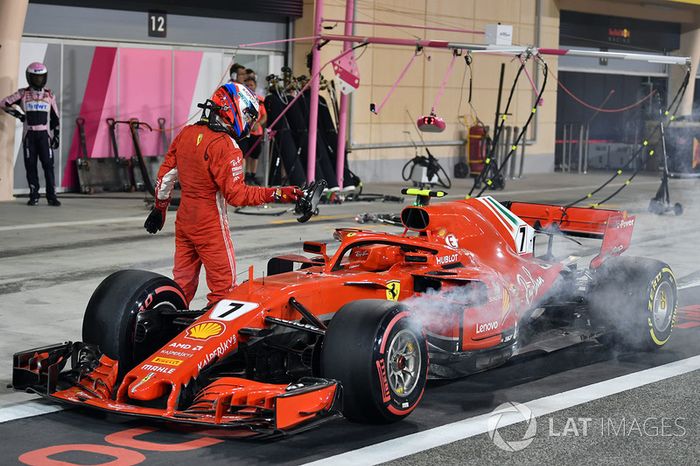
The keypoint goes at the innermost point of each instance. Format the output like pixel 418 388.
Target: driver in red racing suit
pixel 208 162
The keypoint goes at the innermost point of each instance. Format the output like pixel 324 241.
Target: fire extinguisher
pixel 477 146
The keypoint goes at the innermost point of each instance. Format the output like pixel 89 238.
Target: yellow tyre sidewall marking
pixel 650 306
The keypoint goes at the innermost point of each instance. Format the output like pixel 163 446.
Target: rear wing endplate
pixel 614 227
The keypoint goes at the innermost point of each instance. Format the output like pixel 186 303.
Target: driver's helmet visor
pixel 36 80
pixel 250 115
pixel 248 105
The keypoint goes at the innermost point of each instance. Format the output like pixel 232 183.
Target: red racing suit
pixel 209 166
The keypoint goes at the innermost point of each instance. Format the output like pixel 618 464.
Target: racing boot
pixel 51 197
pixel 33 196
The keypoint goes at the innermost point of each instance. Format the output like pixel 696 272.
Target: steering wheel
pixel 307 205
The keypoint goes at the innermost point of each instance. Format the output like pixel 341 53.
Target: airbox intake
pixel 415 218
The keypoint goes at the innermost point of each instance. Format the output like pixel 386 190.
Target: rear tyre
pixel 380 356
pixel 124 315
pixel 637 299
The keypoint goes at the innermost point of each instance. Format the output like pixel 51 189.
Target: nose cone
pixel 148 388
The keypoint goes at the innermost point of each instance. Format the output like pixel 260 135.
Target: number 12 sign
pixel 157 23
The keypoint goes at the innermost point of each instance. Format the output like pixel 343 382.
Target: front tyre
pixel 124 316
pixel 638 299
pixel 380 356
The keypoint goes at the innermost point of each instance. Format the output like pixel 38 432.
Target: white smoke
pixel 449 302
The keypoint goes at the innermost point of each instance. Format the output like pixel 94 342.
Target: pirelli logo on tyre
pixel 205 330
pixel 166 361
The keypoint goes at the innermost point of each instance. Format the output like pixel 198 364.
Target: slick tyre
pixel 380 357
pixel 124 315
pixel 637 299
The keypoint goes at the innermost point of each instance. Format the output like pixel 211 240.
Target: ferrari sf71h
pixel 360 331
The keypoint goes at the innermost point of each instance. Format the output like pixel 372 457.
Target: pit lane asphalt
pixel 521 380
pixel 671 239
pixel 654 424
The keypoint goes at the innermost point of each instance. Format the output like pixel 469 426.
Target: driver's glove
pixel 55 140
pixel 156 219
pixel 287 194
pixel 19 115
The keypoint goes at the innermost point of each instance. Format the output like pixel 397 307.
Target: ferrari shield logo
pixel 393 288
pixel 200 136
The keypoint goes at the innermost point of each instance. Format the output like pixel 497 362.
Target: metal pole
pixel 536 77
pixel 587 147
pixel 513 157
pixel 403 26
pixel 313 104
pixel 498 102
pixel 522 159
pixel 580 148
pixel 344 101
pixel 403 145
pixel 647 57
pixel 569 147
pixel 351 103
pixel 172 99
pixel 61 88
pixel 563 148
pixel 664 179
pixel 439 44
pixel 266 146
pixel 507 50
pixel 505 143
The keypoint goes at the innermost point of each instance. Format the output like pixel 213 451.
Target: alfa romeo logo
pixel 508 414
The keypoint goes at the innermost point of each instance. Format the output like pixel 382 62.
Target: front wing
pixel 256 408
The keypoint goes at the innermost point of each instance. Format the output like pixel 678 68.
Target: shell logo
pixel 205 330
pixel 506 302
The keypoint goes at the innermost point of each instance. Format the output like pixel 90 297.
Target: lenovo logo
pixel 486 327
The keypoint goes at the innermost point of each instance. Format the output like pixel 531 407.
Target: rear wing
pixel 614 227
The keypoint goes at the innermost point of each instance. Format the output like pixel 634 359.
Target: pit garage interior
pixel 586 105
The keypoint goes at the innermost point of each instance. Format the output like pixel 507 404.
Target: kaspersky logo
pixel 205 330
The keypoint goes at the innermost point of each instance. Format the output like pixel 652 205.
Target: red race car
pixel 359 332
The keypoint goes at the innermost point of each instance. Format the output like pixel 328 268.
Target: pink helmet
pixel 36 75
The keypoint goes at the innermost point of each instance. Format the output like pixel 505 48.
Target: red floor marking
pixel 122 456
pixel 126 438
